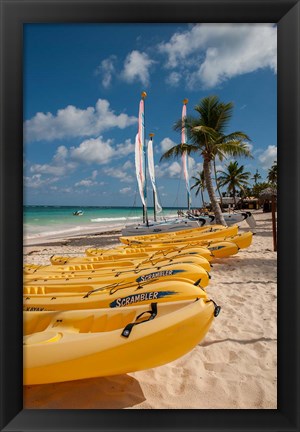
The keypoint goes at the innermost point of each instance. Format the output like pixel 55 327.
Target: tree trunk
pixel 211 193
pixel 202 198
pixel 234 199
pixel 217 185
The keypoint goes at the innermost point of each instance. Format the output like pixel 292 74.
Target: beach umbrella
pixel 271 193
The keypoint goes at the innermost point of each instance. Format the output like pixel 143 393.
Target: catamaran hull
pixel 230 219
pixel 143 229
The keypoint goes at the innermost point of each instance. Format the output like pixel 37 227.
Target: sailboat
pixel 141 154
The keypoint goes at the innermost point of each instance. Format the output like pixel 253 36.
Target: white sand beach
pixel 234 367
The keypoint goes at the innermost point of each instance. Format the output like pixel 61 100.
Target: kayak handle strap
pixel 153 312
pixel 217 308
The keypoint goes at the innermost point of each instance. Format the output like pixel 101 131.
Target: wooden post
pixel 274 224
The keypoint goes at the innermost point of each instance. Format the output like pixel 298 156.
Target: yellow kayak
pixel 116 266
pixel 155 250
pixel 215 247
pixel 222 249
pixel 112 260
pixel 92 269
pixel 179 233
pixel 72 345
pixel 182 271
pixel 209 234
pixel 89 296
pixel 242 241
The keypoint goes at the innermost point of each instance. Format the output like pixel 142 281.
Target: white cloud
pixel 268 157
pixel 125 190
pixel 126 148
pixel 86 183
pixel 48 169
pixel 128 165
pixel 67 190
pixel 250 146
pixel 121 172
pixel 166 144
pixel 173 79
pixel 136 67
pixel 107 70
pixel 220 168
pixel 59 165
pixel 36 181
pixel 174 169
pixel 93 150
pixel 212 53
pixel 194 167
pixel 75 122
pixel 97 150
pixel 168 170
pixel 90 181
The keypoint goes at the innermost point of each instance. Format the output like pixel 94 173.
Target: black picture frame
pixel 15 13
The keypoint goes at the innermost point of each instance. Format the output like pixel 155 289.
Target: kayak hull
pixel 76 282
pixel 115 297
pixel 62 353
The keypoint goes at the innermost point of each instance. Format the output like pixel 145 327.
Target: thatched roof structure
pixel 268 193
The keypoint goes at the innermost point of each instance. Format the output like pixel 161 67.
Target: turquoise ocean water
pixel 56 220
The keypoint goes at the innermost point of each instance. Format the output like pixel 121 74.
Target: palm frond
pixel 206 130
pixel 236 136
pixel 224 115
pixel 178 150
pixel 235 148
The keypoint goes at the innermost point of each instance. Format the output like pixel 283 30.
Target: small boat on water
pixel 78 213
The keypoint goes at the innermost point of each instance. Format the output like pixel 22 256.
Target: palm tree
pixel 200 185
pixel 234 178
pixel 206 132
pixel 272 174
pixel 217 183
pixel 256 177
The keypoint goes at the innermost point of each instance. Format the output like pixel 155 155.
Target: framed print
pixel 60 156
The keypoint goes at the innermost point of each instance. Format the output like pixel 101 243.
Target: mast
pixel 184 154
pixel 140 157
pixel 145 211
pixel 151 168
pixel 151 135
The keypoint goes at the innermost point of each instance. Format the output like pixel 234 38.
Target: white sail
pixel 158 207
pixel 139 167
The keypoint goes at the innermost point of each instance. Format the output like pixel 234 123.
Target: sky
pixel 82 88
